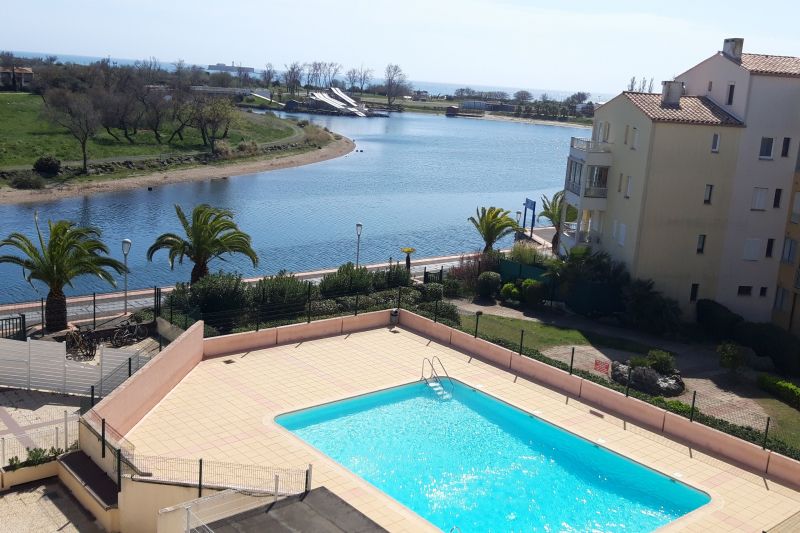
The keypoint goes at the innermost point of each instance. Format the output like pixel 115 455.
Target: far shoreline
pixel 332 150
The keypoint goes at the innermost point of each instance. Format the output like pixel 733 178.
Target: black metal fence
pixel 13 328
pixel 727 412
pixel 114 379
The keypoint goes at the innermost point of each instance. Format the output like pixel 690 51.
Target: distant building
pixel 231 69
pixel 420 96
pixel 691 187
pixel 24 77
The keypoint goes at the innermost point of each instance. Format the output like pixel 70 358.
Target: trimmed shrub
pixel 282 295
pixel 27 182
pixel 784 390
pixel 533 292
pixel 488 283
pixel 769 340
pixel 222 300
pixel 717 320
pixel 346 279
pixel 324 308
pixel 730 355
pixel 47 165
pixel 509 292
pixel 444 311
pixel 394 276
pixel 661 361
pixel 431 292
pixel 452 288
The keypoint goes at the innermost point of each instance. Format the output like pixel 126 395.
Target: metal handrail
pixel 436 358
pixel 454 529
pixel 434 374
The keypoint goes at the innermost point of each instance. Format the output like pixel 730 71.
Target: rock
pixel 647 380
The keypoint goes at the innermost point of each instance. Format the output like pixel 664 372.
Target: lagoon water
pixel 416 182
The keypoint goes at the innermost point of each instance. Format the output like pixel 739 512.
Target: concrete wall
pixel 10 479
pixel 258 340
pixel 674 213
pixel 140 503
pixel 108 518
pixel 783 469
pixel 129 402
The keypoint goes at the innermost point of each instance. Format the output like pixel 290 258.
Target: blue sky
pixel 594 46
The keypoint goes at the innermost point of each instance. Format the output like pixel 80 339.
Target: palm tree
pixel 71 251
pixel 211 233
pixel 493 224
pixel 551 210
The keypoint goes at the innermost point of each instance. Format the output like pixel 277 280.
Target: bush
pixel 444 312
pixel 452 288
pixel 528 254
pixel 648 310
pixel 637 361
pixel 661 361
pixel 533 292
pixel 222 300
pixel 394 276
pixel 27 182
pixel 717 320
pixel 510 292
pixel 488 283
pixel 324 308
pixel 730 355
pixel 222 149
pixel 346 279
pixel 247 147
pixel 784 390
pixel 769 340
pixel 282 295
pixel 47 165
pixel 431 292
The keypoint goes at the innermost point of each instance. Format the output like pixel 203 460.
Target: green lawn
pixel 540 336
pixel 25 136
pixel 785 420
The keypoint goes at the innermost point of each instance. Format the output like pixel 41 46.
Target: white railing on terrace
pixel 588 145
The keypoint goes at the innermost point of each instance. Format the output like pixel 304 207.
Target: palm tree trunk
pixel 199 270
pixel 55 314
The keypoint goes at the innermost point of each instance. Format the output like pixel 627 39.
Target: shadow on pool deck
pixel 320 511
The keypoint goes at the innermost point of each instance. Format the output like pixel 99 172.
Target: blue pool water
pixel 482 465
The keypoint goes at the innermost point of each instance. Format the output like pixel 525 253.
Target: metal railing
pixel 596 192
pixel 588 145
pixel 61 434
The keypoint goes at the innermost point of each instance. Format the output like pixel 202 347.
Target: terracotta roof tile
pixel 771 65
pixel 690 110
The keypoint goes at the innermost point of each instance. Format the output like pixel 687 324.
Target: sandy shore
pixel 533 121
pixel 336 148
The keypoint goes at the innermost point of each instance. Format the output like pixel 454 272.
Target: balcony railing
pixel 574 186
pixel 588 145
pixel 596 192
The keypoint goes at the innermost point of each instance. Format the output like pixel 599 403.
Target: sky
pixel 592 46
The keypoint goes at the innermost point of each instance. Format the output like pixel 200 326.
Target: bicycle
pixel 81 344
pixel 128 333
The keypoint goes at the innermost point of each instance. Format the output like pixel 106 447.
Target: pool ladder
pixel 434 380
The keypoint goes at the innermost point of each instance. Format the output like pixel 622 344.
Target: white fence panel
pixel 14 363
pixel 58 435
pixel 80 377
pixel 47 365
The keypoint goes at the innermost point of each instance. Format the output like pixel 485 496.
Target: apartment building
pixel 785 312
pixel 690 187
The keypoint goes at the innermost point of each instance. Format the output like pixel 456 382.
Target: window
pixel 708 193
pixel 731 88
pixel 795 218
pixel 635 142
pixel 628 187
pixel 710 85
pixel 776 200
pixel 627 127
pixel 745 290
pixel 701 243
pixel 759 202
pixel 715 143
pixel 621 234
pixel 770 246
pixel 762 292
pixel 693 292
pixel 752 250
pixel 789 253
pixel 619 185
pixel 766 148
pixel 787 141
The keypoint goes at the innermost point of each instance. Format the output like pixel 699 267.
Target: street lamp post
pixel 518 233
pixel 126 247
pixel 359 227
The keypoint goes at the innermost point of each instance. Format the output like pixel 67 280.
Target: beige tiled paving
pixel 225 411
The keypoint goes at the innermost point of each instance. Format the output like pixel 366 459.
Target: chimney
pixel 671 92
pixel 733 48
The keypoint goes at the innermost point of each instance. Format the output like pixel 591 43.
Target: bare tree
pixel 352 78
pixel 292 77
pixel 329 72
pixel 523 96
pixel 269 75
pixel 632 84
pixel 75 113
pixel 395 81
pixel 364 77
pixel 650 86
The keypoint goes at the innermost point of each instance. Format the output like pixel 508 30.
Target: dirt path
pixel 335 149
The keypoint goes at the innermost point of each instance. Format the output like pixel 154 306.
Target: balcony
pixel 591 152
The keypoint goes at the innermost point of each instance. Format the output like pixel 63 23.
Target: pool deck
pixel 225 411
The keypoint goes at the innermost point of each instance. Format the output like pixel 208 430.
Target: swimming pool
pixel 480 464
